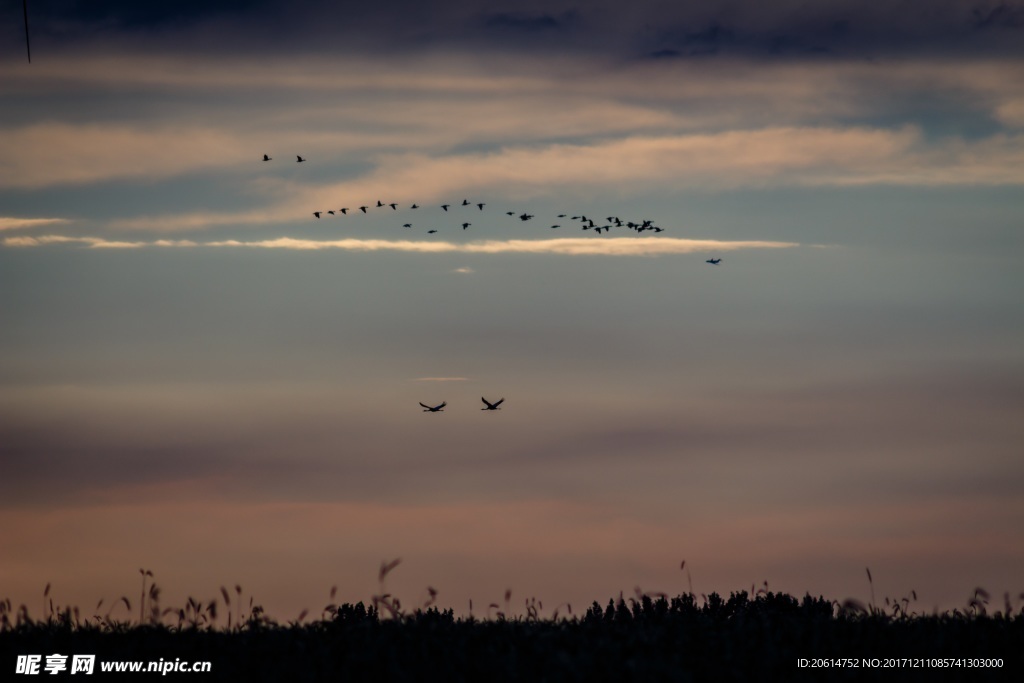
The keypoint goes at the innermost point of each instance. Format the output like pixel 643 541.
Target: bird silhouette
pixel 445 206
pixel 555 226
pixel 434 409
pixel 363 209
pixel 510 213
pixel 345 211
pixel 266 158
pixel 714 261
pixel 407 225
pixel 379 203
pixel 481 205
pixel 465 202
pixel 414 206
pixel 330 212
pixel 317 214
pixel 431 232
pixel 466 225
pixel 491 406
pixel 394 207
pixel 298 159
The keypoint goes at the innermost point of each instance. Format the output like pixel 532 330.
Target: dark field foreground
pixel 663 639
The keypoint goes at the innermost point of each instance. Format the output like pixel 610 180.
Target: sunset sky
pixel 201 378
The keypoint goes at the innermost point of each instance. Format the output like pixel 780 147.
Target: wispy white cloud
pixel 595 246
pixel 11 223
pixel 746 158
pixel 775 157
pixel 1011 113
pixel 429 107
pixel 92 242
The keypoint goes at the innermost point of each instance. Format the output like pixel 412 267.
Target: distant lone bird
pixel 345 211
pixel 481 205
pixel 330 212
pixel 491 406
pixel 714 261
pixel 394 207
pixel 298 159
pixel 510 213
pixel 445 206
pixel 407 225
pixel 317 214
pixel 525 217
pixel 435 409
pixel 379 203
pixel 363 209
pixel 414 206
pixel 266 158
pixel 431 232
pixel 465 202
pixel 466 225
pixel 555 226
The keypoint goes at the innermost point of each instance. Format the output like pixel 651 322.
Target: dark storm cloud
pixel 1000 16
pixel 136 15
pixel 785 28
pixel 844 29
pixel 525 22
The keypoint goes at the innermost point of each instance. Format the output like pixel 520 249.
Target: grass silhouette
pixel 760 635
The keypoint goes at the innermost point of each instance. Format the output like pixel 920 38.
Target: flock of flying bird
pixel 587 224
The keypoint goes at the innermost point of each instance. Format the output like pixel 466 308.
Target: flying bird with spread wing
pixel 267 158
pixel 714 261
pixel 434 409
pixel 298 159
pixel 491 406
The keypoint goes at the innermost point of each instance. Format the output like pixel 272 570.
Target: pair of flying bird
pixel 440 408
pixel 298 159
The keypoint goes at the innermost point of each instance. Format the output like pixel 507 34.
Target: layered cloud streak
pixel 608 246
